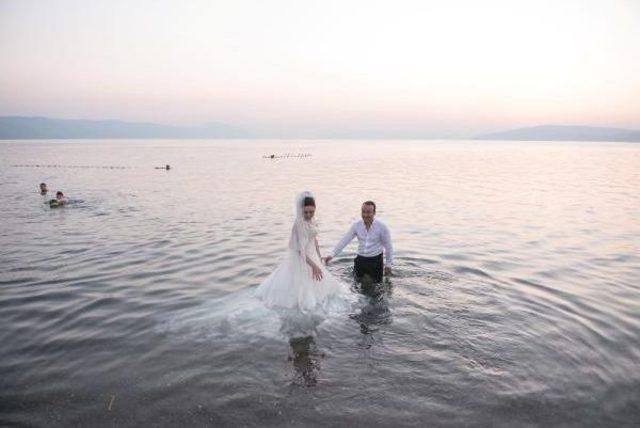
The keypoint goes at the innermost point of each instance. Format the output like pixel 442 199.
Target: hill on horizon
pixel 564 133
pixel 21 128
pixel 37 127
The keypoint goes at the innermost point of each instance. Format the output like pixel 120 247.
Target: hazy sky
pixel 314 68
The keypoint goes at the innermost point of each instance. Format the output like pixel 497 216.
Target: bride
pixel 301 281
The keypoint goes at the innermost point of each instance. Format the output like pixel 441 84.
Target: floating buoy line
pixel 166 167
pixel 287 155
pixel 73 166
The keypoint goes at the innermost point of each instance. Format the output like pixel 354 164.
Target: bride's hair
pixel 309 201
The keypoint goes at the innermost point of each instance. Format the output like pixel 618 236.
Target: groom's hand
pixel 327 260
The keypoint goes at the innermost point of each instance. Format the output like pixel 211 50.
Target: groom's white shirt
pixel 370 242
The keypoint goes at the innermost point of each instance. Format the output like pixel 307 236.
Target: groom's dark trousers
pixel 371 266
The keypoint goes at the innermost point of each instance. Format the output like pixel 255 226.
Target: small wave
pixel 241 315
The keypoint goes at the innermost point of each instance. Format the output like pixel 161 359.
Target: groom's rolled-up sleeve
pixel 344 241
pixel 388 247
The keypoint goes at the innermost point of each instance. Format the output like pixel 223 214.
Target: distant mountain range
pixel 564 133
pixel 20 128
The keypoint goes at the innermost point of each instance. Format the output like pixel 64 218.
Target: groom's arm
pixel 348 237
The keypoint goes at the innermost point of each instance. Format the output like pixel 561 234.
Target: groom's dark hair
pixel 373 204
pixel 308 201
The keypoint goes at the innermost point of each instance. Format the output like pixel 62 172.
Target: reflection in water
pixel 375 312
pixel 301 329
pixel 306 360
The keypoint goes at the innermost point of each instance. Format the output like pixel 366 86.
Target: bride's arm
pixel 315 270
pixel 318 249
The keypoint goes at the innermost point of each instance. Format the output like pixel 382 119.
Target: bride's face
pixel 308 212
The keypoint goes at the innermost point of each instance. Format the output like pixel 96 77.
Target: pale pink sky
pixel 450 68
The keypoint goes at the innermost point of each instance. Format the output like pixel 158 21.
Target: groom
pixel 373 237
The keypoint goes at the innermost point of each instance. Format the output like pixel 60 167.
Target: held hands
pixel 326 260
pixel 387 270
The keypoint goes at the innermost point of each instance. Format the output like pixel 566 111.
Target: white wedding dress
pixel 292 286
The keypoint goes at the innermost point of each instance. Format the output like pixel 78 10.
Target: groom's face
pixel 367 213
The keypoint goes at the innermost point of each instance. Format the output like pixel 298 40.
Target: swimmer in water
pixel 59 201
pixel 43 188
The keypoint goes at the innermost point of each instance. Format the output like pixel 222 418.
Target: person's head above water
pixel 368 212
pixel 59 195
pixel 43 188
pixel 308 208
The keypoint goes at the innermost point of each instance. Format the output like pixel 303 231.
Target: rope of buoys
pixel 73 166
pixel 287 155
pixel 166 167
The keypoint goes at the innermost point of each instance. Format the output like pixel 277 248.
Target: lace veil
pixel 299 233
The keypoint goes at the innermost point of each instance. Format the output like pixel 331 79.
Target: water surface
pixel 514 301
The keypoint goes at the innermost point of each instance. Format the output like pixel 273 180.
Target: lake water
pixel 515 298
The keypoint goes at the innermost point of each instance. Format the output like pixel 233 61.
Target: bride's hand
pixel 317 273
